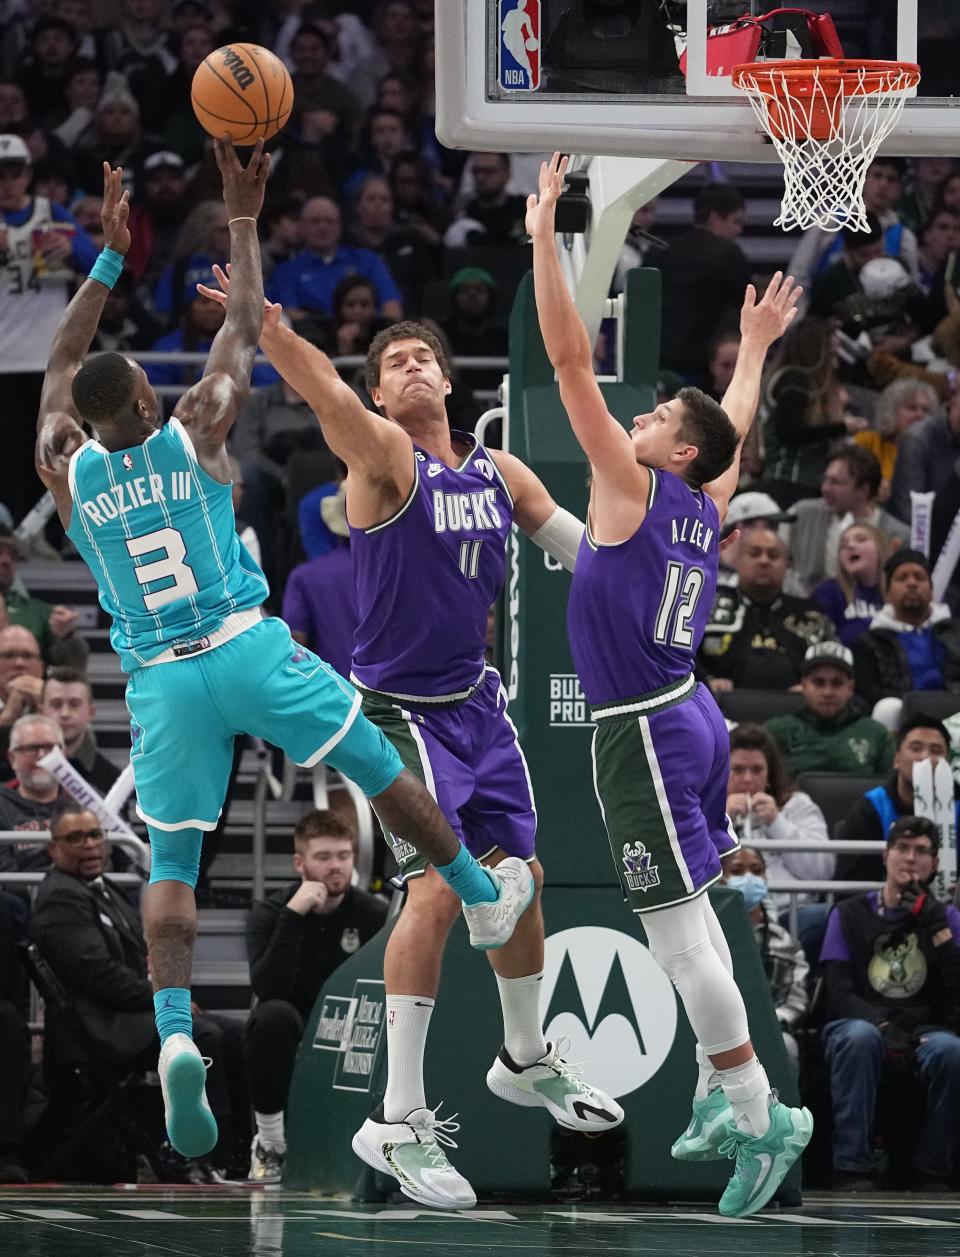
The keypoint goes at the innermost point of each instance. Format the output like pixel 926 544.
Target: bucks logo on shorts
pixel 639 873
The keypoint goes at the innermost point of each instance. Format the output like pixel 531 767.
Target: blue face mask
pixel 753 888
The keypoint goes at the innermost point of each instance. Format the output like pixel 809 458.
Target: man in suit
pixel 92 937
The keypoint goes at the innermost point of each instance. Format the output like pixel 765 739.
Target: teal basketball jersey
pixel 159 535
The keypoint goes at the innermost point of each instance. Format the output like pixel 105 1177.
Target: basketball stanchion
pixel 827 119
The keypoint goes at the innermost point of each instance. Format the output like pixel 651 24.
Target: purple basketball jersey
pixel 426 579
pixel 637 610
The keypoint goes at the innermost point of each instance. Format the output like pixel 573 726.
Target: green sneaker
pixel 711 1125
pixel 763 1162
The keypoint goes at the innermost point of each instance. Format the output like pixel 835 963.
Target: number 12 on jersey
pixel 680 596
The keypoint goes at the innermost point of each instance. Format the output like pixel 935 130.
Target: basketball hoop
pixel 826 118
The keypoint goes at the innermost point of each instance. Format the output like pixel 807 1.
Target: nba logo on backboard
pixel 520 45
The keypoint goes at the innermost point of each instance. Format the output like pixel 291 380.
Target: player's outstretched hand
pixel 541 209
pixel 115 210
pixel 271 309
pixel 243 186
pixel 767 319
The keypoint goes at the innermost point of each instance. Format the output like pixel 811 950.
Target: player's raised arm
pixel 604 441
pixel 58 429
pixel 209 408
pixel 761 323
pixel 362 439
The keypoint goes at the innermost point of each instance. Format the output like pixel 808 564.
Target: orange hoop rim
pixel 833 74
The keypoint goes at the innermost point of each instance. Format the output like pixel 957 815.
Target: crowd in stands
pixel 832 612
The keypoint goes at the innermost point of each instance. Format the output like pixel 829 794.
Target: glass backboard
pixel 651 78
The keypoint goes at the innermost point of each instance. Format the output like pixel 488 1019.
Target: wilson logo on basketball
pixel 238 68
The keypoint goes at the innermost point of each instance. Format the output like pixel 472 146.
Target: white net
pixel 826 128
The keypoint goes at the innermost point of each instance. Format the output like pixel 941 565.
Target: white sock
pixel 522 1026
pixel 408 1020
pixel 707 1077
pixel 270 1131
pixel 747 1089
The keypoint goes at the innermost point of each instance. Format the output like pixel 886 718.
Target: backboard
pixel 605 76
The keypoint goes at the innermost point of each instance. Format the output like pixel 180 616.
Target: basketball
pixel 244 91
pixel 532 44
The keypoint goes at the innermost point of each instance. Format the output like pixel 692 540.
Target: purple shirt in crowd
pixel 835 944
pixel 320 602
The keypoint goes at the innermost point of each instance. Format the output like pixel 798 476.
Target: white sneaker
pixel 191 1126
pixel 410 1152
pixel 492 924
pixel 266 1164
pixel 554 1084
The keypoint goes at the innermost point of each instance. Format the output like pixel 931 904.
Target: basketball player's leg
pixel 181 759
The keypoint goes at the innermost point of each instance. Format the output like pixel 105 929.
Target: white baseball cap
pixel 13 149
pixel 754 505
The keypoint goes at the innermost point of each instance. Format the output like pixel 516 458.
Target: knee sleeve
pixel 717 936
pixel 684 950
pixel 175 855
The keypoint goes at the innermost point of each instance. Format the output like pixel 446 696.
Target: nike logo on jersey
pixel 435 469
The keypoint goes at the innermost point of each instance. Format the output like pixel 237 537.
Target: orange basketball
pixel 244 91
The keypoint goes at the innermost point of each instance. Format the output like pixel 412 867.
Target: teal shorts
pixel 186 714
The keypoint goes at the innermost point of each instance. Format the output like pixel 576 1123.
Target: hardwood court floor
pixel 241 1222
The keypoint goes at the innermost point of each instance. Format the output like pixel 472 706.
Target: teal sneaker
pixel 762 1163
pixel 710 1126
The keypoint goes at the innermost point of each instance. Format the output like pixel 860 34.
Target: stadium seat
pixel 835 793
pixel 758 706
pixel 937 703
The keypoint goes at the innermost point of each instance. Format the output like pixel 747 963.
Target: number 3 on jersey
pixel 679 602
pixel 170 566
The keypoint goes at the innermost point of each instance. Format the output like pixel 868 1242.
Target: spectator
pixel 29 310
pixel 33 798
pixel 203 239
pixel 315 88
pixel 763 804
pixel 14 1041
pixel 747 511
pixel 856 595
pixel 848 495
pixel 13 105
pixel 140 50
pixel 53 627
pixel 473 328
pixel 319 601
pixel 156 219
pixel 919 738
pixel 922 190
pixel 124 327
pixel 841 279
pixel 913 643
pixel 116 137
pixel 415 201
pixel 87 210
pixel 939 238
pixel 412 258
pixel 928 453
pixel 385 136
pixel 295 940
pixel 21 673
pixel 757 635
pixel 818 249
pixel 92 937
pixel 721 363
pixel 53 179
pixel 305 284
pixel 82 86
pixel 355 315
pixel 313 156
pixel 704 275
pixel 782 956
pixel 493 217
pixel 67 698
pixel 891 982
pixel 831 732
pixel 179 128
pixel 401 92
pixel 280 228
pixel 53 45
pixel 901 404
pixel 804 403
pixel 398 36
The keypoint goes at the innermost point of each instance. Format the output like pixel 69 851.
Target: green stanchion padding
pixel 602 989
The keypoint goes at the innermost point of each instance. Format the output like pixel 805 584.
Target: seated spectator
pixel 921 192
pixel 747 511
pixel 384 137
pixel 722 353
pixel 493 217
pixel 939 236
pixel 295 940
pixel 928 454
pixel 178 127
pixel 840 280
pixel 416 199
pixel 125 327
pixel 473 328
pixel 913 643
pixel 53 627
pixel 43 72
pixel 92 937
pixel 21 676
pixel 73 123
pixel 116 136
pixel 763 804
pixel 891 983
pixel 783 960
pixel 831 732
pixel 319 600
pixel 34 797
pixel 156 217
pixel 67 698
pixel 314 87
pixel 203 239
pixel 704 274
pixel 355 315
pixel 305 284
pixel 854 598
pixel 14 1041
pixel 138 47
pixel 757 635
pixel 280 234
pixel 398 38
pixel 848 495
pixel 53 179
pixel 413 260
pixel 920 738
pixel 805 406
